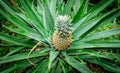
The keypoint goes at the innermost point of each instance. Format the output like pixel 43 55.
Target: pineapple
pixel 62 35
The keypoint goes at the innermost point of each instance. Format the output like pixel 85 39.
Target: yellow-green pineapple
pixel 62 35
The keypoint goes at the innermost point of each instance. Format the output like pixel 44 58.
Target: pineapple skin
pixel 61 42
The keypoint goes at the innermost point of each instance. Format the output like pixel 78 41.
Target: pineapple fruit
pixel 62 35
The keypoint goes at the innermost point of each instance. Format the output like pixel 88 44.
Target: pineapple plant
pixel 64 33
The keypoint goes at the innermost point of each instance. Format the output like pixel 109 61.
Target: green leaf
pixel 6 7
pixel 26 20
pixel 109 66
pixel 16 40
pixel 19 65
pixel 81 30
pixel 22 56
pixel 105 64
pixel 88 53
pixel 82 23
pixel 79 23
pixel 86 27
pixel 29 9
pixel 53 54
pixel 57 69
pixel 107 44
pixel 77 5
pixel 99 7
pixel 41 67
pixel 76 64
pixel 13 51
pixel 15 30
pixel 31 35
pixel 111 16
pixel 82 10
pixel 44 19
pixel 9 45
pixel 111 44
pixel 102 34
pixel 108 19
pixel 68 7
pixel 53 8
pixel 49 19
pixel 37 37
pixel 60 7
pixel 16 21
pixel 64 65
pixel 11 16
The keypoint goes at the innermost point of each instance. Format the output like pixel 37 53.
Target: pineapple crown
pixel 63 24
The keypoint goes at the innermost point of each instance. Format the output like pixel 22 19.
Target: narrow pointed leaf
pixel 37 37
pixel 76 64
pixel 15 30
pixel 105 64
pixel 22 56
pixel 53 8
pixel 40 67
pixel 97 44
pixel 68 7
pixel 33 17
pixel 102 34
pixel 11 16
pixel 17 66
pixel 112 15
pixel 99 7
pixel 16 40
pixel 77 5
pixel 82 10
pixel 86 27
pixel 13 51
pixel 53 54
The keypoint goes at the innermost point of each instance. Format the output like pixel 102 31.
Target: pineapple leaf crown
pixel 63 24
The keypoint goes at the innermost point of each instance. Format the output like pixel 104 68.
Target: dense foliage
pixel 28 46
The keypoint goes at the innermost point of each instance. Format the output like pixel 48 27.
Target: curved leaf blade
pixel 102 34
pixel 16 40
pixel 22 56
pixel 76 64
pixel 53 54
